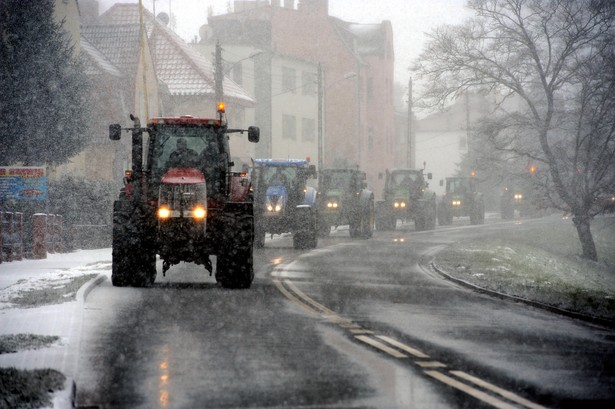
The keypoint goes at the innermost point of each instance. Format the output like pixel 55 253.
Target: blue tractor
pixel 283 202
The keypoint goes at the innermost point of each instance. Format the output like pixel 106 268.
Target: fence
pixel 45 237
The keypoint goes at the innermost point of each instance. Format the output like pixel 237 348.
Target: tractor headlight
pixel 164 213
pixel 456 203
pixel 518 196
pixel 399 204
pixel 199 213
pixel 332 205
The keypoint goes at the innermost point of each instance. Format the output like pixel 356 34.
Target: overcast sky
pixel 410 19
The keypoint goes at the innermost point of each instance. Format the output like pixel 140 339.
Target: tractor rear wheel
pixel 234 263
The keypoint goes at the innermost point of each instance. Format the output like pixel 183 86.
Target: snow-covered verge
pixel 541 263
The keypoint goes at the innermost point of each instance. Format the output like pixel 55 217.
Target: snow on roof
pixel 95 61
pixel 183 69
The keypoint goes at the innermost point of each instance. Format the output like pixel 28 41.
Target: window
pixel 289 79
pixel 308 83
pixel 289 127
pixel 308 129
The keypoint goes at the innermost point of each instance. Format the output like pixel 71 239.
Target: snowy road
pixel 351 324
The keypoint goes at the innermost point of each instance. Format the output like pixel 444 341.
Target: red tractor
pixel 182 201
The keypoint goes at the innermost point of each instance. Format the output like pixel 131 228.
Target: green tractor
pixel 461 199
pixel 406 197
pixel 343 199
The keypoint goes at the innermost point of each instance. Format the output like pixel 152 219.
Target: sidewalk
pixel 62 320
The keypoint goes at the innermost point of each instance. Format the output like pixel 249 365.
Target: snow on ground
pixel 56 270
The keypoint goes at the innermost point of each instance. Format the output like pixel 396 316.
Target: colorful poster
pixel 23 183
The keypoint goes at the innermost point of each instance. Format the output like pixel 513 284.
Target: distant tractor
pixel 514 200
pixel 406 197
pixel 461 199
pixel 182 201
pixel 283 202
pixel 343 199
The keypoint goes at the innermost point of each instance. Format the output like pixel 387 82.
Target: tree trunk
pixel 582 223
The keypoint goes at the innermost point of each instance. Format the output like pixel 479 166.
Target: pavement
pixel 62 320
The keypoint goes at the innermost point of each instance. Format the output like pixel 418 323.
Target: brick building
pixel 357 63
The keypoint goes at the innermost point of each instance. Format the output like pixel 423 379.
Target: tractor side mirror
pixel 254 133
pixel 115 132
pixel 429 176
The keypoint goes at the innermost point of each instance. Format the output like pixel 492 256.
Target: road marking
pixel 403 347
pixel 507 394
pixel 480 395
pixel 294 294
pixel 294 299
pixel 430 364
pixel 376 344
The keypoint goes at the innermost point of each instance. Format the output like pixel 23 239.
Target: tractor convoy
pixel 182 201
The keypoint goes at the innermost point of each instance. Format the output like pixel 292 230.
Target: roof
pixel 113 45
pixel 184 70
pixel 95 62
pixel 281 162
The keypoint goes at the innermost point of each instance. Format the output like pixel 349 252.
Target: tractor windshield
pixel 339 180
pixel 459 186
pixel 189 147
pixel 404 180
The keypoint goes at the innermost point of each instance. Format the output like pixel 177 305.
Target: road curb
pixel 567 313
pixel 85 289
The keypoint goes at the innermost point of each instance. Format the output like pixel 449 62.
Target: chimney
pixel 319 7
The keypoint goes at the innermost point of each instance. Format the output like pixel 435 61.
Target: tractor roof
pixel 282 162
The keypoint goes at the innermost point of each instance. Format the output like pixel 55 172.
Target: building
pixel 351 64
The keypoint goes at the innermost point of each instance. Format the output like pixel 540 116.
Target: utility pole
pixel 320 121
pixel 409 153
pixel 219 74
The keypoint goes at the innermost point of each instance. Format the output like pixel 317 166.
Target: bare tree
pixel 557 57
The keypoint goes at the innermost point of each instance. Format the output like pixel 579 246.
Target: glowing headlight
pixel 278 208
pixel 398 205
pixel 332 205
pixel 456 202
pixel 518 196
pixel 164 213
pixel 199 213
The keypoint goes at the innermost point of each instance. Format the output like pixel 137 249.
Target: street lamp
pixel 254 54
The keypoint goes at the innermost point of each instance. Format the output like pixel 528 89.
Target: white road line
pixel 507 394
pixel 480 395
pixel 376 344
pixel 294 299
pixel 430 364
pixel 403 347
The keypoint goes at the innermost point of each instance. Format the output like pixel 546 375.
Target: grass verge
pixel 16 342
pixel 541 262
pixel 28 389
pixel 51 295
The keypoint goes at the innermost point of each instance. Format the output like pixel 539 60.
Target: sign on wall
pixel 23 183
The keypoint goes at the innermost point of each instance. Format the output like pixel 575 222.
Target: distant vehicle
pixel 461 199
pixel 343 199
pixel 516 200
pixel 406 197
pixel 183 202
pixel 283 202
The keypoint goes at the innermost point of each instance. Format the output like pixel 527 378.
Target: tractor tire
pixel 324 229
pixel 419 221
pixel 235 263
pixel 133 262
pixel 368 221
pixel 259 236
pixel 477 214
pixel 431 216
pixel 306 235
pixel 445 218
